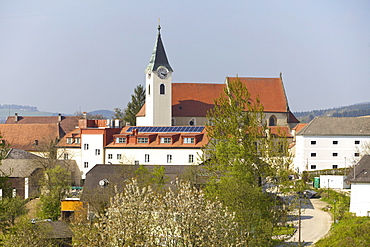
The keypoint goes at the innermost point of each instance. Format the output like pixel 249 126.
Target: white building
pixel 360 186
pixel 330 142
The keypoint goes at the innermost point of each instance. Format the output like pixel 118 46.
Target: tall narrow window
pixel 147 158
pixel 272 121
pixel 86 164
pixel 191 158
pixel 169 158
pixel 65 156
pixel 162 89
pixel 97 151
pixel 86 146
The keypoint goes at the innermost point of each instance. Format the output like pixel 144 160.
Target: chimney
pixel 85 115
pixel 16 117
pixel 59 117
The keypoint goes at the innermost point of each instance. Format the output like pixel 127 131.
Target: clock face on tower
pixel 162 72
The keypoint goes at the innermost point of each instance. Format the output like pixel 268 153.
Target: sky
pixel 82 55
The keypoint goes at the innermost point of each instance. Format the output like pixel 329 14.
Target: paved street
pixel 315 223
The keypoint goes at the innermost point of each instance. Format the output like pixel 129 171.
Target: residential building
pixel 330 142
pixel 35 134
pixel 359 177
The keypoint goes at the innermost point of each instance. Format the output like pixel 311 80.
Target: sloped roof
pixel 23 136
pixel 19 168
pixel 329 126
pixel 360 173
pixel 155 140
pixel 270 91
pixel 76 133
pixel 67 123
pixel 116 174
pixel 195 99
pixel 159 57
pixel 15 153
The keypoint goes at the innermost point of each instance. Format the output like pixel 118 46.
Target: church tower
pixel 158 101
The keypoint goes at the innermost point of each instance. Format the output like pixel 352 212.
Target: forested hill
pixel 357 110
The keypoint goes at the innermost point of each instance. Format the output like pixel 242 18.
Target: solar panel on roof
pixel 172 129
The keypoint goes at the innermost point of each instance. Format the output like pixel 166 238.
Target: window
pixel 357 142
pixel 119 156
pixel 120 140
pixel 335 142
pixel 86 164
pixel 78 140
pixel 65 156
pixel 166 140
pixel 36 142
pixel 357 154
pixel 313 154
pixel 169 158
pixel 189 140
pixel 97 151
pixel 191 158
pixel 335 166
pixel 162 89
pixel 335 154
pixel 313 142
pixel 142 140
pixel 86 146
pixel 69 140
pixel 146 158
pixel 110 156
pixel 313 167
pixel 272 121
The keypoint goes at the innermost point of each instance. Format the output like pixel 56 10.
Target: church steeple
pixel 158 57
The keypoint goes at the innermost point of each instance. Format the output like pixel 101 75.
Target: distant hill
pixel 356 110
pixel 25 110
pixel 105 113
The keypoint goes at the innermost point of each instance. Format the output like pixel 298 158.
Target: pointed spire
pixel 158 57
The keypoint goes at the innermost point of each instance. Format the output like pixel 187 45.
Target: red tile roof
pixel 195 99
pixel 24 136
pixel 67 123
pixel 154 140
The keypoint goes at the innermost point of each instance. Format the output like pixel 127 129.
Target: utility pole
pixel 299 223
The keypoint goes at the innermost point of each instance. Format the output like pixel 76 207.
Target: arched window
pixel 272 121
pixel 162 89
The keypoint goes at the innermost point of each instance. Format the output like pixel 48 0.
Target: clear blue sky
pixel 67 55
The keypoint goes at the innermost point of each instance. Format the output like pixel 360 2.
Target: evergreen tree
pixel 133 107
pixel 244 158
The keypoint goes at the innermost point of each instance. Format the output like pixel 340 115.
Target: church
pixel 186 104
pixel 170 127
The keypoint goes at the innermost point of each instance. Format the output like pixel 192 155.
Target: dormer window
pixel 188 140
pixel 166 139
pixel 69 140
pixel 120 140
pixel 142 140
pixel 78 140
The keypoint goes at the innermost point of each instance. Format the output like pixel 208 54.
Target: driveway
pixel 315 223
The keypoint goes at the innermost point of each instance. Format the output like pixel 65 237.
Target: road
pixel 315 223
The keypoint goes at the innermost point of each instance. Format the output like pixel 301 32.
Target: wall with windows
pixel 92 152
pixel 327 152
pixel 152 156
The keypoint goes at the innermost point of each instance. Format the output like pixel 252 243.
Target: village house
pixel 330 143
pixel 359 178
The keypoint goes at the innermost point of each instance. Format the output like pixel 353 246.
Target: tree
pixel 245 158
pixel 10 209
pixel 133 107
pixel 182 216
pixel 55 185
